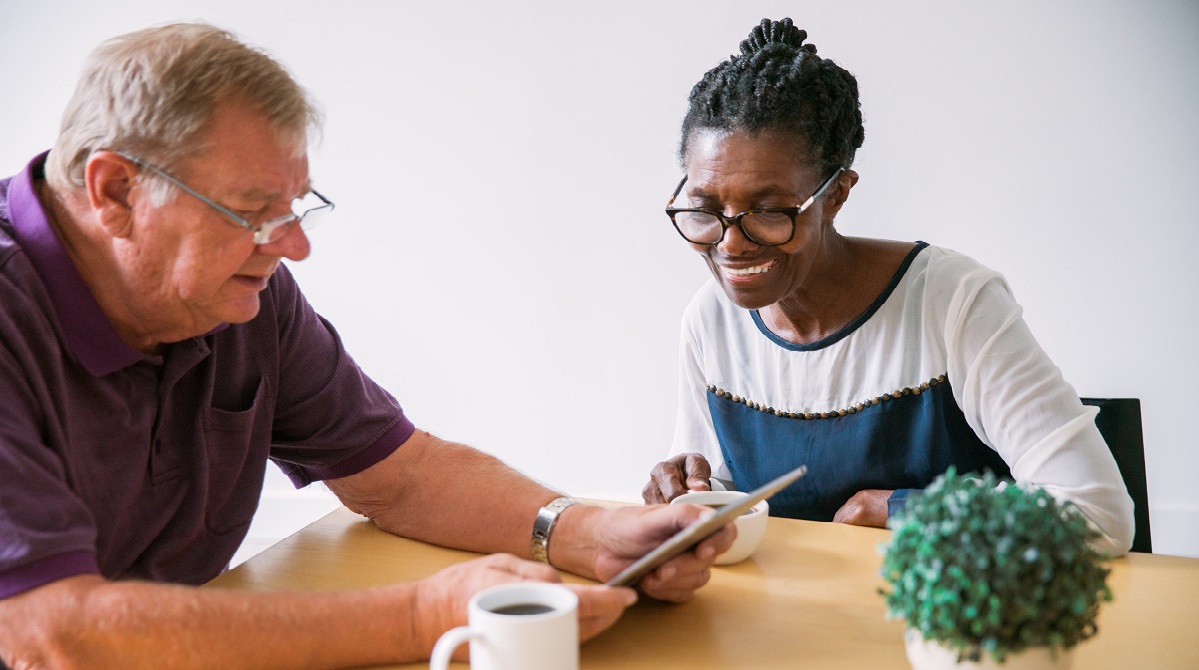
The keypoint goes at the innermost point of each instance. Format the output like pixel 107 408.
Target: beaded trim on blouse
pixel 911 390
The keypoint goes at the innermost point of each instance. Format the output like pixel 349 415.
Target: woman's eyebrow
pixel 699 193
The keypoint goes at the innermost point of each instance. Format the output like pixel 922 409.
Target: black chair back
pixel 1119 422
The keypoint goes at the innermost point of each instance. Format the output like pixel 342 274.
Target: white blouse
pixel 944 316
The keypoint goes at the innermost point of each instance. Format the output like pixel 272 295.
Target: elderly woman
pixel 877 363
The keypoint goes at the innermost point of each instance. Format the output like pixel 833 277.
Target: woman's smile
pixel 741 274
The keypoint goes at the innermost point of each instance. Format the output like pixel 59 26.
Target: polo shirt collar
pixel 89 334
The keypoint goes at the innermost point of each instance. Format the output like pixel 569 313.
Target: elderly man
pixel 154 353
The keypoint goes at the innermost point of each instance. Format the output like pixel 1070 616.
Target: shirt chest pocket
pixel 236 445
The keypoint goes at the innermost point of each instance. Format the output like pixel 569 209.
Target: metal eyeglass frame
pixel 262 231
pixel 726 221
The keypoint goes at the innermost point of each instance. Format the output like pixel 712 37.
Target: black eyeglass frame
pixel 726 221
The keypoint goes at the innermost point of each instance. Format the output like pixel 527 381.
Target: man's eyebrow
pixel 261 195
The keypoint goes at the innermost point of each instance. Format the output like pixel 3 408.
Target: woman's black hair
pixel 779 84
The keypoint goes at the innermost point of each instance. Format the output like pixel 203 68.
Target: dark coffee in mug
pixel 523 609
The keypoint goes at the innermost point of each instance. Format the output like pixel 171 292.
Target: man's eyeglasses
pixel 768 227
pixel 308 210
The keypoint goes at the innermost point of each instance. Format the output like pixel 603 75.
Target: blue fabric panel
pixel 899 500
pixel 900 443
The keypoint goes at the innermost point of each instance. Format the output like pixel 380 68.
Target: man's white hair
pixel 150 93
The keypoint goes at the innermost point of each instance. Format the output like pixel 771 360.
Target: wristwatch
pixel 543 525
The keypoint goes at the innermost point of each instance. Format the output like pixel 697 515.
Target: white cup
pixel 751 525
pixel 524 626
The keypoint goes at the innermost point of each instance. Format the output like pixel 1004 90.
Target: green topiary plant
pixel 978 566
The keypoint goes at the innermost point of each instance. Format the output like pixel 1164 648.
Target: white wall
pixel 500 260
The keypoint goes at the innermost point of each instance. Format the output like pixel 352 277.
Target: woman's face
pixel 731 172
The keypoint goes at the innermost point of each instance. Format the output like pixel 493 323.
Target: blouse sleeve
pixel 1017 401
pixel 693 431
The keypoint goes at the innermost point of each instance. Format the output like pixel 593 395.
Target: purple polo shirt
pixel 150 467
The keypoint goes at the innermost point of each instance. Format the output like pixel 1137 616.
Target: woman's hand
pixel 865 508
pixel 674 477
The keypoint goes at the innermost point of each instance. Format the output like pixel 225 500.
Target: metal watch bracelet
pixel 543 525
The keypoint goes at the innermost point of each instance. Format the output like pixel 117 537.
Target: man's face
pixel 188 266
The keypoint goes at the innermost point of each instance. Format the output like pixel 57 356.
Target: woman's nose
pixel 734 242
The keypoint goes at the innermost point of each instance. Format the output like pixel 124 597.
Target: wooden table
pixel 806 599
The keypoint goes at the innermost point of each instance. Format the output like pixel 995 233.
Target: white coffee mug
pixel 525 626
pixel 751 526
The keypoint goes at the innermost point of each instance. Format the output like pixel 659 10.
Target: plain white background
pixel 499 259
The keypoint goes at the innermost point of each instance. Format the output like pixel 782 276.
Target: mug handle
pixel 446 644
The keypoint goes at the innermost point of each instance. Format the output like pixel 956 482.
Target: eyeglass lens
pixel 310 211
pixel 761 227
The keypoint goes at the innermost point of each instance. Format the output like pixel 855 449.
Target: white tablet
pixel 689 536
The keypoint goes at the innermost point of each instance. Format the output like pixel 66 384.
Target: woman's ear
pixel 109 179
pixel 839 193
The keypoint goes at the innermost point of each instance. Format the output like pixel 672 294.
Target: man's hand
pixel 865 508
pixel 441 599
pixel 674 477
pixel 600 542
pixel 443 596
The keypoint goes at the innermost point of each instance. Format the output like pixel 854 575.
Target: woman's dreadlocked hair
pixel 779 84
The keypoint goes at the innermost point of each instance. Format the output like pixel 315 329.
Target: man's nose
pixel 293 244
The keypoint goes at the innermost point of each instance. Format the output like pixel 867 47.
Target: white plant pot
pixel 929 655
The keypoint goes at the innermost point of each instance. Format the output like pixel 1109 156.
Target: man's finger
pixel 600 607
pixel 677 580
pixel 523 569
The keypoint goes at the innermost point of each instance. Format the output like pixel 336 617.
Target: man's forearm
pixel 87 622
pixel 447 494
pixel 454 496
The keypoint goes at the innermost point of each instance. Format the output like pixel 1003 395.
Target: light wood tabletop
pixel 808 598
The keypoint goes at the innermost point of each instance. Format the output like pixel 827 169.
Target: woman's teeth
pixel 756 270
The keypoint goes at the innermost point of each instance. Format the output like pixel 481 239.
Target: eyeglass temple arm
pixel 209 201
pixel 808 203
pixel 678 189
pixel 212 203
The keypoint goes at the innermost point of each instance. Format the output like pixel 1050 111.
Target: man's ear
pixel 839 193
pixel 109 178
